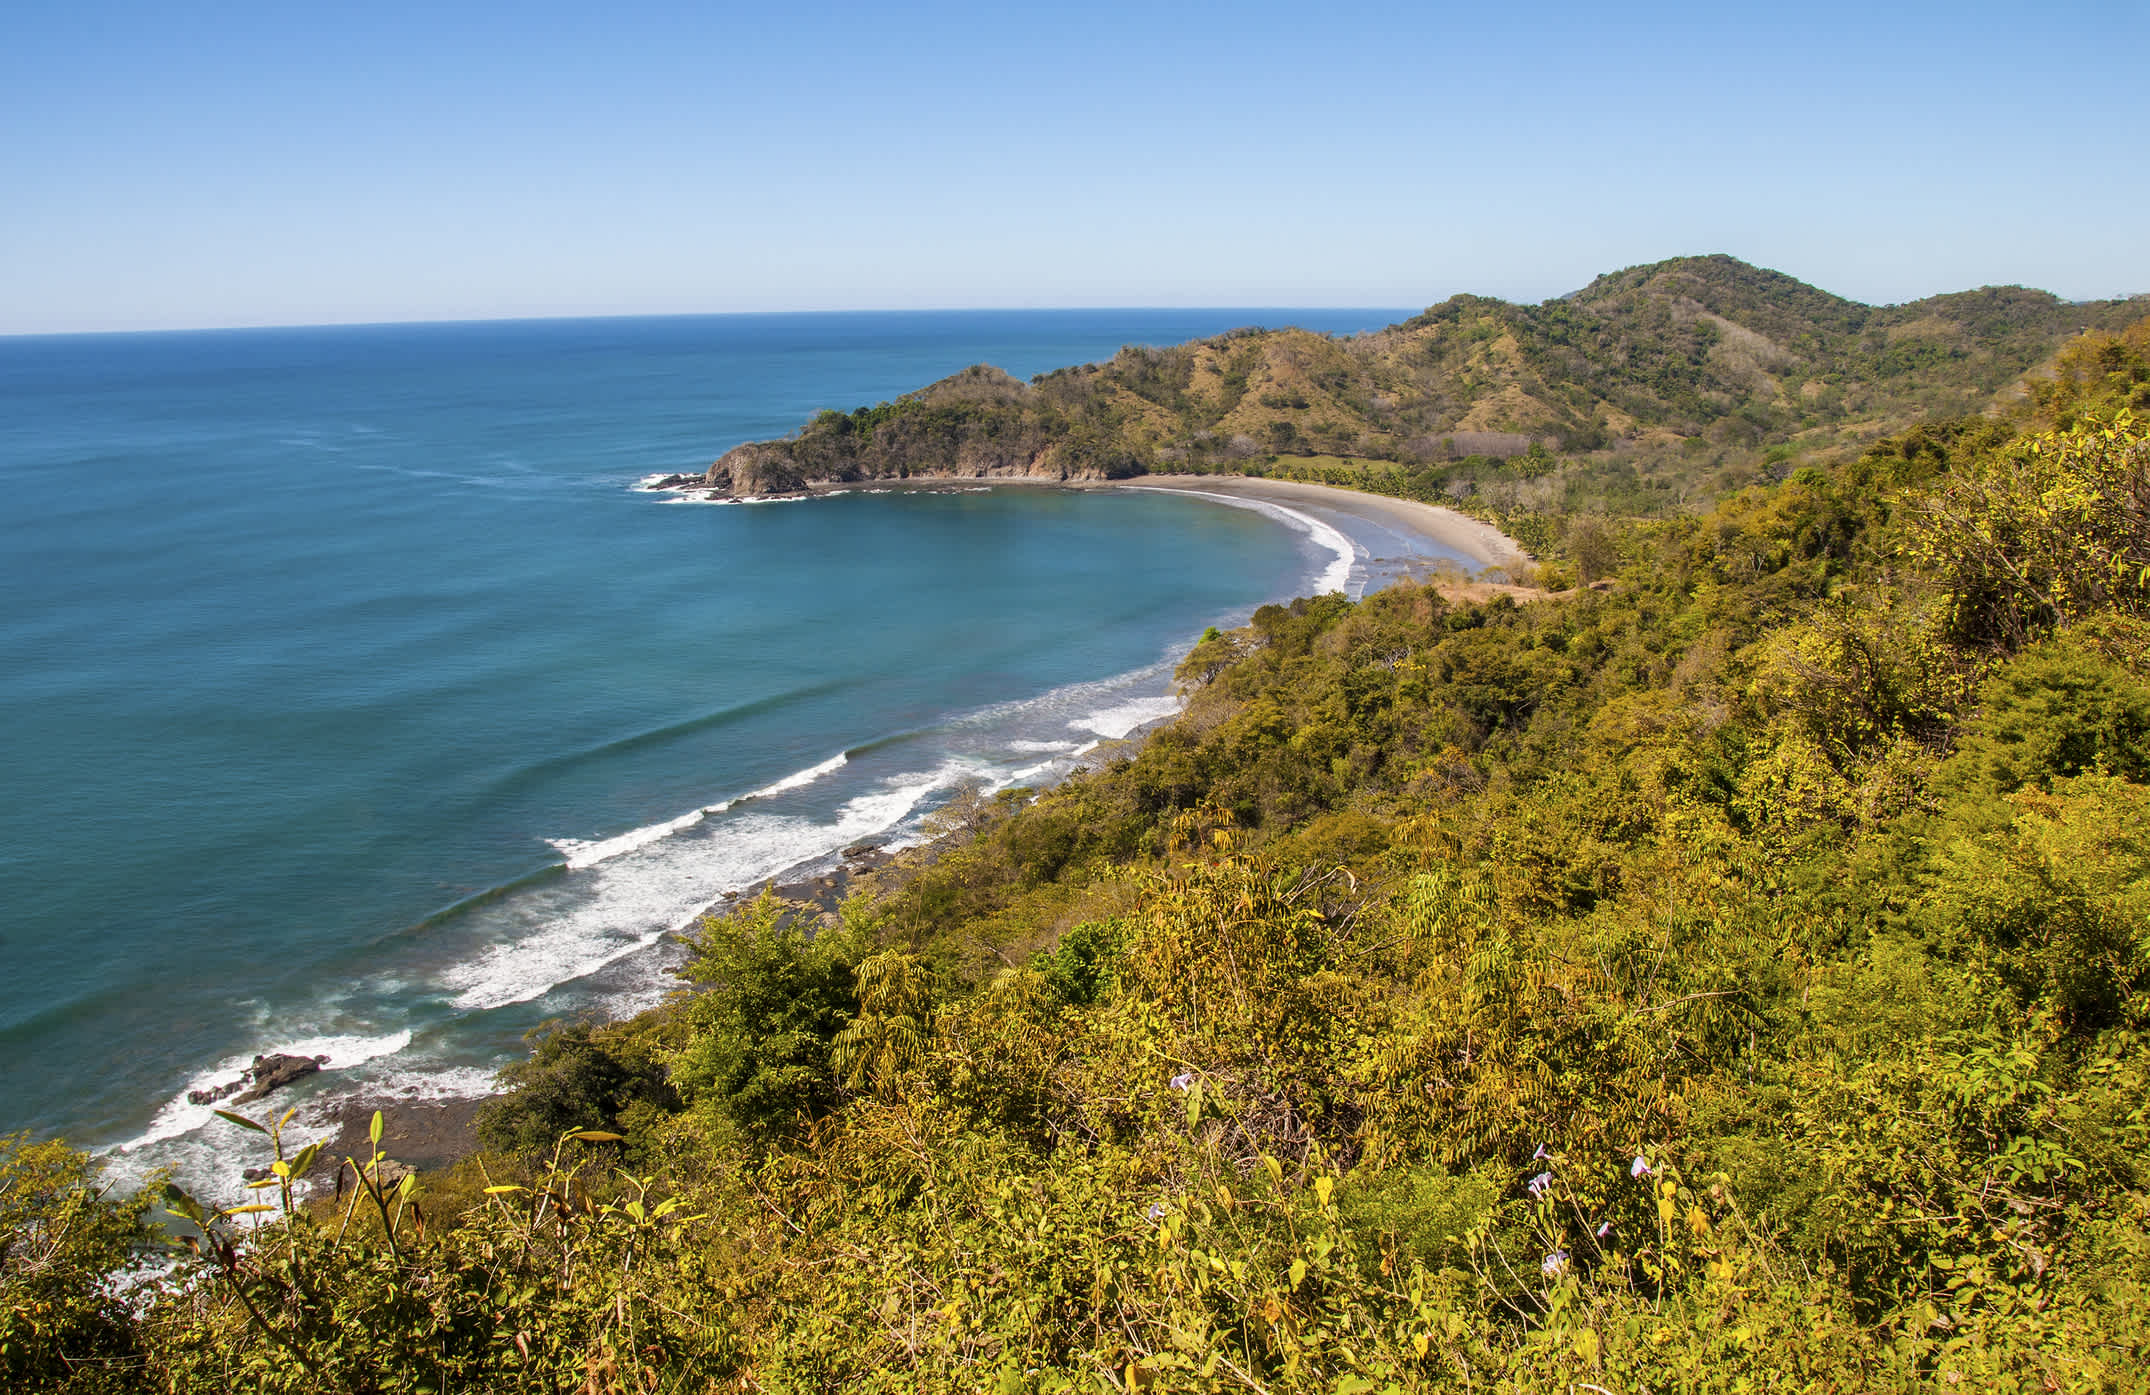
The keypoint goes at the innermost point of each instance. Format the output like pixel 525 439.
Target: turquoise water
pixel 357 702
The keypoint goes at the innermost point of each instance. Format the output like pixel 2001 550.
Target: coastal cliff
pixel 980 423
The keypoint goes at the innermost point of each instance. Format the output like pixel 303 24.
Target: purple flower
pixel 1555 1264
pixel 1641 1167
pixel 1605 1229
pixel 1539 1185
pixel 1540 1155
pixel 1156 1211
pixel 1183 1082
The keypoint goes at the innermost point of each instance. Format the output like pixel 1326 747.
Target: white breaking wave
pixel 1112 723
pixel 179 1116
pixel 421 1081
pixel 1338 573
pixel 631 901
pixel 581 854
pixel 798 780
pixel 1044 747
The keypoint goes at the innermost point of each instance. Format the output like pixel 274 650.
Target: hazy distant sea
pixel 355 702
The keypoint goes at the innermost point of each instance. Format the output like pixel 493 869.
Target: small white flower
pixel 1539 1185
pixel 1156 1211
pixel 1605 1229
pixel 1184 1081
pixel 1641 1167
pixel 1555 1264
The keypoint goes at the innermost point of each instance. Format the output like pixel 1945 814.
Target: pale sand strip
pixel 1483 543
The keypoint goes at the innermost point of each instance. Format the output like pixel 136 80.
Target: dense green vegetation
pixel 1730 978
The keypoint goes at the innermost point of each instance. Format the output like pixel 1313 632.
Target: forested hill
pixel 1649 389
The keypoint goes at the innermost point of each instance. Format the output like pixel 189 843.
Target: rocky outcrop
pixel 268 1073
pixel 756 469
pixel 979 424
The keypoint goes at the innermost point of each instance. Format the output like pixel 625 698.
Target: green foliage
pixel 578 1076
pixel 760 1036
pixel 64 1238
pixel 2048 532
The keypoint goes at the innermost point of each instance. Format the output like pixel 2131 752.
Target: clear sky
pixel 176 164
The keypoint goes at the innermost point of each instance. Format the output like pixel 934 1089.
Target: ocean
pixel 357 702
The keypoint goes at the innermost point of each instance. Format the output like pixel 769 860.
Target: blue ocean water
pixel 356 702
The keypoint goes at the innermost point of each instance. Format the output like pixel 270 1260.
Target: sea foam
pixel 629 901
pixel 179 1116
pixel 1344 553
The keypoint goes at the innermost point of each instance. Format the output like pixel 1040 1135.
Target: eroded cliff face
pixel 762 468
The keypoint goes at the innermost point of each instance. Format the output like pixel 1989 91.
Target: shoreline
pixel 1483 543
pixel 1474 539
pixel 437 1133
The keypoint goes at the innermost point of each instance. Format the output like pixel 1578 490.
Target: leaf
pixel 250 1208
pixel 183 1206
pixel 373 1130
pixel 1194 1103
pixel 504 1190
pixel 598 1136
pixel 1298 1272
pixel 240 1119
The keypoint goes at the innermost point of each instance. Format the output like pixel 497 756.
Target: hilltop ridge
pixel 1648 389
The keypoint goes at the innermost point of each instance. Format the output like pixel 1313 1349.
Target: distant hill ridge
pixel 1690 369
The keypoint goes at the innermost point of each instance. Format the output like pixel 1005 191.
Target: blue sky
pixel 170 165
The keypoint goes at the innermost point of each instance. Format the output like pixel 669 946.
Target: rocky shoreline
pixel 433 1134
pixel 436 1133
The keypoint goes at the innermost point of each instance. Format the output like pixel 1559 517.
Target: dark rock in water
pixel 674 481
pixel 254 1174
pixel 275 1072
pixel 221 1092
pixel 859 850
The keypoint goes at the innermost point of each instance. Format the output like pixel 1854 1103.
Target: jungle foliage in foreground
pixel 1730 980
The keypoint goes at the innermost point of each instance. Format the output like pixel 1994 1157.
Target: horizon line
pixel 450 321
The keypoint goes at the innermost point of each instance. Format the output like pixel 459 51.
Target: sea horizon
pixel 1325 312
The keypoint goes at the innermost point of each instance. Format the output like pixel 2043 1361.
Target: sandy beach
pixel 1482 543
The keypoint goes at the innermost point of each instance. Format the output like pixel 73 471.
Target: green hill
pixel 1649 390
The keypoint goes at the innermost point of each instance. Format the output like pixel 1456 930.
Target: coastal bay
pixel 401 777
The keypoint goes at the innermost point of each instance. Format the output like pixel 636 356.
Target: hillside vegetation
pixel 1648 391
pixel 1730 979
